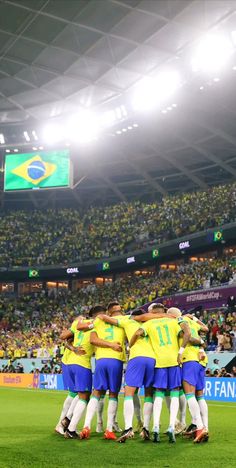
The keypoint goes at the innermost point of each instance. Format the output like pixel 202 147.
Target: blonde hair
pixel 174 311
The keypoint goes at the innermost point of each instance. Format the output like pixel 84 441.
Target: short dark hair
pixel 97 309
pixel 112 304
pixel 158 305
pixel 137 312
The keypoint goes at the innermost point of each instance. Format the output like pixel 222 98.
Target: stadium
pixel 117 233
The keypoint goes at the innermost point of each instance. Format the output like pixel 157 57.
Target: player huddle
pixel 165 357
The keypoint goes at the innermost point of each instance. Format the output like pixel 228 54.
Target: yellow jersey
pixel 191 352
pixel 204 362
pixel 81 338
pixel 66 356
pixel 111 333
pixel 163 333
pixel 143 346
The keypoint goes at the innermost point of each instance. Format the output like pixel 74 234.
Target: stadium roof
pixel 58 56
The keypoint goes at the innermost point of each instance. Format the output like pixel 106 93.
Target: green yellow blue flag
pixel 44 169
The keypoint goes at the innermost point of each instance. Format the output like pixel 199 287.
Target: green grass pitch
pixel 27 438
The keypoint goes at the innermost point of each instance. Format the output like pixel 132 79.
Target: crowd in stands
pixel 30 324
pixel 55 236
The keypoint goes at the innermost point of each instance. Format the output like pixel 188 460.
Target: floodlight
pixel 108 118
pixel 167 83
pixel 52 133
pixel 2 139
pixel 83 127
pixel 212 54
pixel 150 92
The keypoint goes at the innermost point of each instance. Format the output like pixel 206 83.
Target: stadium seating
pixel 45 314
pixel 66 235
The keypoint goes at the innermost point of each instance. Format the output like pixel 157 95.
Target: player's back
pixel 142 347
pixel 191 352
pixel 163 333
pixel 81 338
pixel 109 333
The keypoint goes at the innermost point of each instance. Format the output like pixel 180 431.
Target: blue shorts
pixel 79 378
pixel 108 374
pixel 65 377
pixel 167 378
pixel 194 374
pixel 140 372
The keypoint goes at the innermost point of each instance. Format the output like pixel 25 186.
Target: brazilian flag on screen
pixel 42 169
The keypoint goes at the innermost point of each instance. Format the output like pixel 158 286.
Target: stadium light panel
pixel 212 54
pixel 83 127
pixel 26 135
pixel 145 95
pixel 2 139
pixel 35 135
pixel 151 92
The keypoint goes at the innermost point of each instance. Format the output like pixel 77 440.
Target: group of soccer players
pixel 165 356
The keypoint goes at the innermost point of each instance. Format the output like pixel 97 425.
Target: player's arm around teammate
pixel 110 354
pixel 80 374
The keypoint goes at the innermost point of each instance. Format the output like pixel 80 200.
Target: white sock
pixel 77 414
pixel 66 406
pixel 137 407
pixel 128 411
pixel 174 408
pixel 182 408
pixel 157 407
pixel 100 411
pixel 69 413
pixel 91 410
pixel 204 411
pixel 147 412
pixel 194 410
pixel 111 413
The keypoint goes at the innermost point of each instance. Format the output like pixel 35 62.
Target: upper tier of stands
pixel 69 235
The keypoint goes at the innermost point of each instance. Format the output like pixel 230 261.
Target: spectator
pixel 215 367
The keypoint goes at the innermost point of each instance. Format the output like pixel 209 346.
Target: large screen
pixel 38 170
